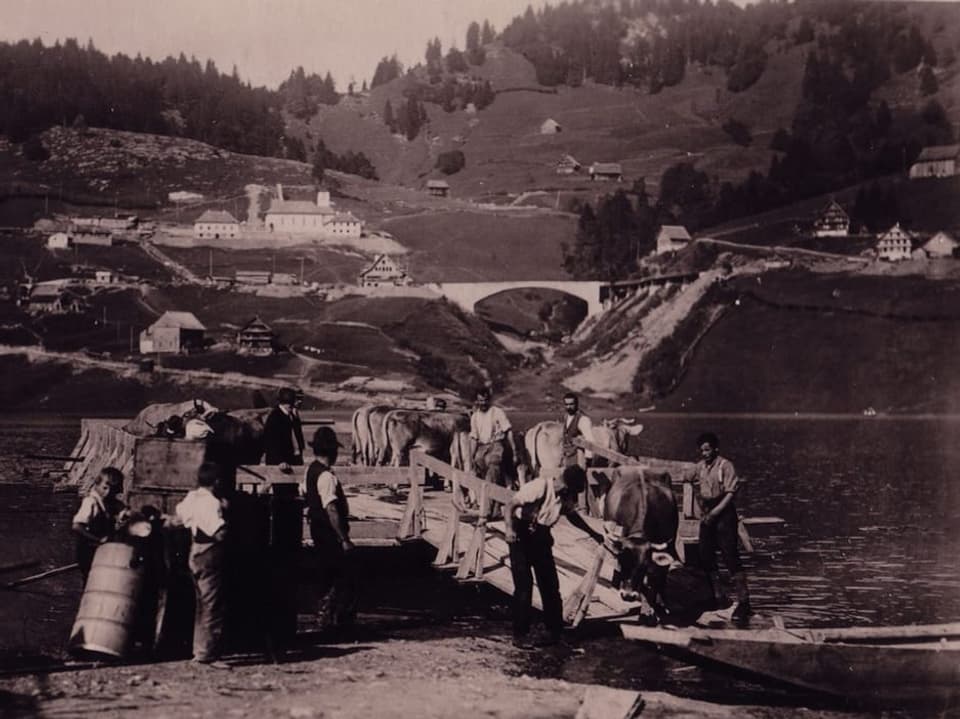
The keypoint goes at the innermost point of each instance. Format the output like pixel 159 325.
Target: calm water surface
pixel 871 534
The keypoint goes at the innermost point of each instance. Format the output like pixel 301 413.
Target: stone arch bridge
pixel 598 295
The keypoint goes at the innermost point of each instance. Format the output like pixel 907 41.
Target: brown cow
pixel 379 451
pixel 544 441
pixel 363 446
pixel 430 432
pixel 641 519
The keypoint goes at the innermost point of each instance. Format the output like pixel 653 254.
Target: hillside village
pixel 142 246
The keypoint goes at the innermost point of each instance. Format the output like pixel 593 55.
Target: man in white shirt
pixel 202 513
pixel 528 518
pixel 493 450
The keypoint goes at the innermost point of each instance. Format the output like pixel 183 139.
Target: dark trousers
pixel 338 585
pixel 722 535
pixel 207 570
pixel 532 554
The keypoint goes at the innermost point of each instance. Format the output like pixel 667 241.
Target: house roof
pixel 256 324
pixel 373 265
pixel 437 184
pixel 568 160
pixel 832 206
pixel 219 216
pixel 606 168
pixel 942 237
pixel 183 320
pixel 297 207
pixel 674 232
pixel 939 152
pixel 47 293
pixel 345 217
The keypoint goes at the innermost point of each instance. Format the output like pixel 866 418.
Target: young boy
pixel 327 511
pixel 96 520
pixel 528 517
pixel 201 511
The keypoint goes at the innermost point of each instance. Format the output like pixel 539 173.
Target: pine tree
pixel 487 34
pixel 388 117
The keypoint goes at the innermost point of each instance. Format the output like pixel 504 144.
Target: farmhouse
pixel 550 127
pixel 54 298
pixel 299 216
pixel 173 333
pixel 567 165
pixel 216 224
pixel 671 238
pixel 936 161
pixel 940 245
pixel 103 277
pixel 384 271
pixel 438 188
pixel 255 338
pixel 895 244
pixel 344 224
pixel 119 223
pixel 832 221
pixel 58 241
pixel 603 171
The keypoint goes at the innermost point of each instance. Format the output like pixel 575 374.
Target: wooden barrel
pixel 108 608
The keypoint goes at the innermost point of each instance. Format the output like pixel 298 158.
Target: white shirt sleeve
pixel 89 509
pixel 327 488
pixel 586 430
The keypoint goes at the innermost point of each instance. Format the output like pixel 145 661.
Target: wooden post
pixel 449 550
pixel 472 561
pixel 411 526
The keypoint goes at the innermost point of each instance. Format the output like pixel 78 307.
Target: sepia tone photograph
pixel 587 359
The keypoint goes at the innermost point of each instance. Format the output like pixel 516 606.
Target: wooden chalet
pixel 606 171
pixel 384 271
pixel 833 221
pixel 438 188
pixel 671 238
pixel 54 298
pixel 568 165
pixel 895 244
pixel 256 338
pixel 936 161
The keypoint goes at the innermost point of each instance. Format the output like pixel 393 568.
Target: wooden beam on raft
pixel 414 516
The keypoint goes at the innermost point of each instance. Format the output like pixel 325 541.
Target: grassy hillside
pixel 464 246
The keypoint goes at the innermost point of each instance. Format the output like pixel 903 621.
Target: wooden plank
pixel 347 474
pixel 907 632
pixel 464 479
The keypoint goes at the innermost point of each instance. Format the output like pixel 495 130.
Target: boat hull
pixel 911 669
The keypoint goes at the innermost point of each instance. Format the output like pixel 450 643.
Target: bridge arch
pixel 466 295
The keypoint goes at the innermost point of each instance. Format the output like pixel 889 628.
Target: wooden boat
pixel 870 664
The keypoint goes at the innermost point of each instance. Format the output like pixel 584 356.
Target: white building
pixel 895 244
pixel 384 271
pixel 103 277
pixel 343 224
pixel 215 225
pixel 299 216
pixel 672 238
pixel 58 241
pixel 550 127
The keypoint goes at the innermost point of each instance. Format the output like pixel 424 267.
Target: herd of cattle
pixel 386 435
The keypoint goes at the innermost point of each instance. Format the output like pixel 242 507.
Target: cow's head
pixel 641 564
pixel 620 430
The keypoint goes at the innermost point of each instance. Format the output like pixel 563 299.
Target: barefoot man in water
pixel 717 483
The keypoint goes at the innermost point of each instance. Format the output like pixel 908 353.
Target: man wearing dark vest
pixel 575 424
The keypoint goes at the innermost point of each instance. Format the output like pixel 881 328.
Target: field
pixel 473 246
pixel 319 265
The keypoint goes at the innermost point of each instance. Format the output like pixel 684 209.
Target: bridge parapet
pixel 466 295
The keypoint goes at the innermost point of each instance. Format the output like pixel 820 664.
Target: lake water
pixel 870 537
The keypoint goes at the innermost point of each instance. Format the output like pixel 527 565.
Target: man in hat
pixel 327 512
pixel 282 432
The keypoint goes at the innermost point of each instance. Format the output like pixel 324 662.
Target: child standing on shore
pixel 96 520
pixel 201 511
